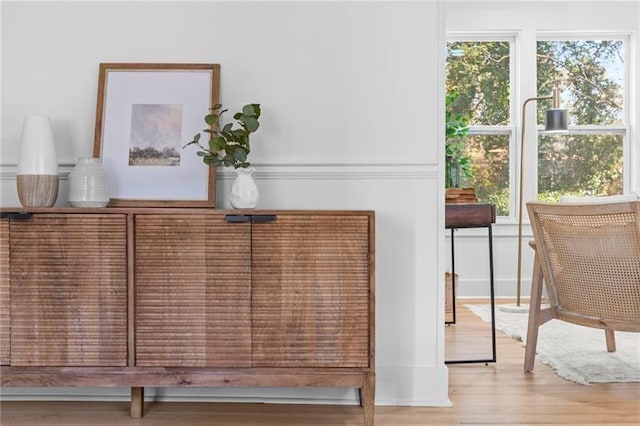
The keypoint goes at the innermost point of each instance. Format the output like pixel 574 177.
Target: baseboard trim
pixel 413 386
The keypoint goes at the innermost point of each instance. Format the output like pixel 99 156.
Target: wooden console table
pixel 474 215
pixel 157 297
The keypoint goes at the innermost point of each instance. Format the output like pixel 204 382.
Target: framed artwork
pixel 145 114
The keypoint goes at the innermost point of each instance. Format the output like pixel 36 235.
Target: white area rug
pixel 574 352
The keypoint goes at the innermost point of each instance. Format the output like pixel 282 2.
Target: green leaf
pixel 196 138
pixel 256 110
pixel 243 139
pixel 217 144
pixel 252 124
pixel 227 128
pixel 238 133
pixel 202 153
pixel 211 119
pixel 228 137
pixel 240 155
pixel 228 149
pixel 249 110
pixel 211 160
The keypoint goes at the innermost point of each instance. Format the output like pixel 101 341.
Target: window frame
pixel 523 82
pixel 627 97
pixel 510 37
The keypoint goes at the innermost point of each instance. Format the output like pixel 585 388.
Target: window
pixel 479 78
pixel 592 73
pixel 590 159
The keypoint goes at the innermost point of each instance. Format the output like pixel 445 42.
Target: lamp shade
pixel 37 152
pixel 555 120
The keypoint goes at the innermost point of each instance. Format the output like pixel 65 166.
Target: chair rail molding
pixel 290 170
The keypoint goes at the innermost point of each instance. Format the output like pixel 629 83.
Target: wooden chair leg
pixel 535 316
pixel 611 340
pixel 137 402
pixel 368 398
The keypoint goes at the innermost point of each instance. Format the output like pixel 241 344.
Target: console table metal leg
pixel 493 298
pixel 453 281
pixel 493 303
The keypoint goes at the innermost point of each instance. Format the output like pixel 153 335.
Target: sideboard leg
pixel 137 402
pixel 368 398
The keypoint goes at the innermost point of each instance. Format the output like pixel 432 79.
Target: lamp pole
pixel 556 120
pixel 521 195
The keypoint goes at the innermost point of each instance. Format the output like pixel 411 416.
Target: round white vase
pixel 88 186
pixel 244 192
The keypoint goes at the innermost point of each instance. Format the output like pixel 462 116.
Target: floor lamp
pixel 555 122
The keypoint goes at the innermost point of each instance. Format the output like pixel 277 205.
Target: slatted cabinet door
pixel 5 295
pixel 69 290
pixel 310 302
pixel 193 291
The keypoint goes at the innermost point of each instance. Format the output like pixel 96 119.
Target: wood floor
pixel 497 393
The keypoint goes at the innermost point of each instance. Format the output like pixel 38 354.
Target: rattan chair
pixel 588 256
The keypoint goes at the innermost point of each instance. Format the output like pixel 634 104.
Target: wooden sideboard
pixel 159 297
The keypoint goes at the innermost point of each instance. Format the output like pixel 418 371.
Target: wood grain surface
pixel 193 291
pixel 5 295
pixel 182 297
pixel 68 290
pixel 310 301
pixel 496 394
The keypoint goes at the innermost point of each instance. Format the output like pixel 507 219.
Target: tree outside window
pixel 478 77
pixel 589 161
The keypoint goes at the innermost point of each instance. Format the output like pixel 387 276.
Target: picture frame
pixel 145 114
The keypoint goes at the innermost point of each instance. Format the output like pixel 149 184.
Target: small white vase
pixel 88 186
pixel 244 192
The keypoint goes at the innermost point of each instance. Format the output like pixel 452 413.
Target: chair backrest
pixel 590 259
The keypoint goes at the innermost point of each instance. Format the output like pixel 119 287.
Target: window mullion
pixel 491 130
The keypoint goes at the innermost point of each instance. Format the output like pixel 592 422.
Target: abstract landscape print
pixel 156 132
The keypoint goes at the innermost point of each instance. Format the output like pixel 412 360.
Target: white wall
pixel 524 18
pixel 351 120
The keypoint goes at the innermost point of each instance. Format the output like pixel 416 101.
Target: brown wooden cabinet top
pixel 173 210
pixel 470 215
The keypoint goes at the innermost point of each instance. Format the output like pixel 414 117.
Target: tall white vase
pixel 244 192
pixel 37 164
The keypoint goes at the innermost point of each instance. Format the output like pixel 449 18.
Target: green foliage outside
pixel 582 165
pixel 457 130
pixel 479 80
pixel 490 170
pixel 588 73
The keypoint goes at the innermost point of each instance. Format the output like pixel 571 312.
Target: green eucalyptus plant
pixel 457 127
pixel 228 146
